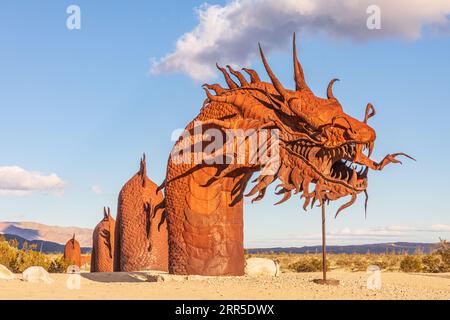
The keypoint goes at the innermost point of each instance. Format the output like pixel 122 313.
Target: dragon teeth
pixel 354 177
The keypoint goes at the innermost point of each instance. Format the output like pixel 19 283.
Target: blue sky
pixel 83 104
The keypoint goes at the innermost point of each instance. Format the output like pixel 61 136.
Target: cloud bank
pixel 358 236
pixel 228 34
pixel 15 181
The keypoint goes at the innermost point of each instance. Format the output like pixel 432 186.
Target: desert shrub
pixel 433 263
pixel 444 251
pixel 308 265
pixel 29 258
pixel 411 264
pixel 59 265
pixel 19 260
pixel 360 264
pixel 8 254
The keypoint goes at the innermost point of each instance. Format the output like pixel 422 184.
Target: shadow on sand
pixel 110 277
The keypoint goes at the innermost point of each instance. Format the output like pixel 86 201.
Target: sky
pixel 78 107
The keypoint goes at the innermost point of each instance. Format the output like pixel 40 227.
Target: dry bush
pixel 432 263
pixel 308 264
pixel 411 263
pixel 444 251
pixel 59 265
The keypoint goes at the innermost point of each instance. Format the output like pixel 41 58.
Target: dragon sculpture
pixel 72 252
pixel 102 254
pixel 317 150
pixel 140 239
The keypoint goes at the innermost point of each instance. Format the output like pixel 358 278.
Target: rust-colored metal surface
pixel 319 144
pixel 72 252
pixel 141 232
pixel 102 256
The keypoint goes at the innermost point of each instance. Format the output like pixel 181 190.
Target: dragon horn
pixel 105 214
pixel 276 83
pixel 109 212
pixel 330 89
pixel 299 76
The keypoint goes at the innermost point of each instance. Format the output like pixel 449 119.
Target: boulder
pixel 36 274
pixel 256 267
pixel 5 274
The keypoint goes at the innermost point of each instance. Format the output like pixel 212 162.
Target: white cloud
pixel 96 189
pixel 15 181
pixel 228 34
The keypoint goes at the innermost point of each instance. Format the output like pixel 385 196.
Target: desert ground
pixel 289 285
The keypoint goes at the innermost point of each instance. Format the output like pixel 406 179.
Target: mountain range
pixel 39 231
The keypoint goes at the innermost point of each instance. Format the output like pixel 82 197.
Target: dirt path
pixel 287 286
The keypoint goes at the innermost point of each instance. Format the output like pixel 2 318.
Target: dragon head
pixel 319 144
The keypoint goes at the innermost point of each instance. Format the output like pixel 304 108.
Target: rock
pixel 36 274
pixel 5 274
pixel 255 267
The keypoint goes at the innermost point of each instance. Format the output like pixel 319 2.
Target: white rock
pixel 36 274
pixel 5 274
pixel 255 267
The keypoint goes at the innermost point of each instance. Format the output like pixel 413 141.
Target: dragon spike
pixel 237 100
pixel 109 212
pixel 73 237
pixel 143 170
pixel 254 77
pixel 105 214
pixel 346 205
pixel 276 83
pixel 238 75
pixel 330 89
pixel 216 87
pixel 299 76
pixel 231 84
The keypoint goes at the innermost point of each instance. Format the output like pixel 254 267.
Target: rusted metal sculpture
pixel 141 232
pixel 72 252
pixel 102 256
pixel 319 144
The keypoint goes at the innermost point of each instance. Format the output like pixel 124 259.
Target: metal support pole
pixel 324 245
pixel 324 280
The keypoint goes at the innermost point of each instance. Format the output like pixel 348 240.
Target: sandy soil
pixel 286 286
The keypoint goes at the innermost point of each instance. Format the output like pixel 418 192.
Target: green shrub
pixel 411 264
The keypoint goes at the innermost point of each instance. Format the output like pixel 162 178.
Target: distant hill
pixel 39 231
pixel 392 247
pixel 41 246
pixel 53 238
